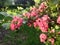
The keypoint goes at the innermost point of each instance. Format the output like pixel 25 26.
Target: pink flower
pixel 52 31
pixel 34 14
pixel 43 37
pixel 16 23
pixel 52 41
pixel 42 6
pixel 58 20
pixel 27 14
pixel 20 21
pixel 43 26
pixel 46 18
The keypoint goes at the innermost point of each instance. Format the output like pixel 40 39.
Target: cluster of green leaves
pixel 5 20
pixel 24 36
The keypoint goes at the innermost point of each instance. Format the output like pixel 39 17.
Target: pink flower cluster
pixel 42 6
pixel 43 37
pixel 35 19
pixel 30 14
pixel 42 23
pixel 34 12
pixel 16 23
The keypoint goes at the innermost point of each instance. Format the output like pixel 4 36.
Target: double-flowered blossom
pixel 34 14
pixel 16 23
pixel 43 37
pixel 46 18
pixel 43 25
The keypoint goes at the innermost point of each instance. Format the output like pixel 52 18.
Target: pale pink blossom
pixel 28 15
pixel 52 31
pixel 52 41
pixel 58 20
pixel 42 7
pixel 43 37
pixel 46 18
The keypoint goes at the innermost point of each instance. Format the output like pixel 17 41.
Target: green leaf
pixel 6 25
pixel 1 16
pixel 37 1
pixel 56 27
